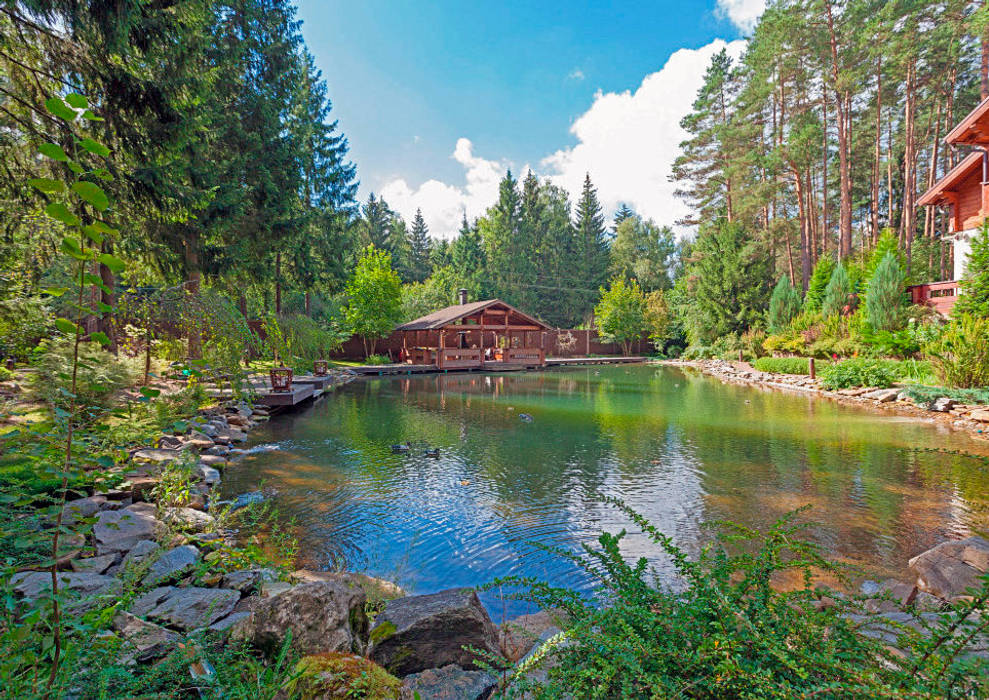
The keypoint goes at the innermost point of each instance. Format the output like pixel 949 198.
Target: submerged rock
pixel 429 631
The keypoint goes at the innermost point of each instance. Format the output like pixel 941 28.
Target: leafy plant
pixel 23 322
pixel 725 630
pixel 960 357
pixel 374 297
pixel 621 313
pixel 858 372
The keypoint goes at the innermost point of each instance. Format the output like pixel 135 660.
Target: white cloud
pixel 443 204
pixel 576 74
pixel 627 141
pixel 742 13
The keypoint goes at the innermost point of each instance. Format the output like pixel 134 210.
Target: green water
pixel 678 447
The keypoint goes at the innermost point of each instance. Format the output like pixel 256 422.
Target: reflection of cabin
pixel 964 190
pixel 473 335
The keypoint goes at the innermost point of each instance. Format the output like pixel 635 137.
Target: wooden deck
pixel 397 369
pixel 313 380
pixel 299 393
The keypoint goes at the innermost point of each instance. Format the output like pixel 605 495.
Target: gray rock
pixel 208 430
pixel 217 450
pixel 138 553
pixel 160 455
pixel 951 568
pixel 882 395
pixel 187 608
pixel 322 616
pixel 518 636
pixel 171 565
pixel 81 508
pixel 120 530
pixel 943 404
pixel 273 588
pixel 188 519
pixel 212 460
pixel 224 624
pixel 94 565
pixel 144 641
pixel 31 585
pixel 199 440
pixel 170 442
pixel 429 631
pixel 208 474
pixel 450 683
pixel 245 499
pixel 377 590
pixel 146 602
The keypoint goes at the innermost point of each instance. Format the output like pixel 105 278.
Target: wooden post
pixel 810 368
pixel 741 356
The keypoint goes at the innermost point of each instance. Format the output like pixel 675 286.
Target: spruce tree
pixel 624 212
pixel 839 297
pixel 974 293
pixel 419 249
pixel 818 283
pixel 784 305
pixel 500 229
pixel 886 293
pixel 590 263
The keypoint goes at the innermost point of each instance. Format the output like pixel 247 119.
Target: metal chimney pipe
pixel 463 296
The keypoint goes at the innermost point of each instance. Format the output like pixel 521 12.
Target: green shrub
pixel 960 357
pixel 5 374
pixel 839 296
pixel 886 294
pixel 818 283
pixel 784 305
pixel 859 371
pixel 928 394
pixel 974 292
pixel 100 372
pixel 726 631
pixel 784 365
pixel 23 322
pixel 377 360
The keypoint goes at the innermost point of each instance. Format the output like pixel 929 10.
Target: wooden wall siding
pixel 969 214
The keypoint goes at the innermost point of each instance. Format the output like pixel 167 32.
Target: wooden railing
pixel 940 296
pixel 450 358
pixel 525 356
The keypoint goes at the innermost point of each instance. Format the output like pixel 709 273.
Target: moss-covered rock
pixel 340 675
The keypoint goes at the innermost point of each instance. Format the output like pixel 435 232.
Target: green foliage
pixel 24 321
pixel 342 675
pixel 784 365
pixel 374 297
pixel 819 283
pixel 728 631
pixel 973 295
pixel 303 340
pixel 929 394
pixel 886 294
pixel 839 295
pixel 440 290
pixel 727 290
pixel 784 305
pixel 658 319
pixel 857 372
pixel 377 360
pixel 960 356
pixel 644 252
pixel 621 314
pixel 419 249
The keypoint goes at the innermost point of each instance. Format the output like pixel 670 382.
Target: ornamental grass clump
pixel 960 356
pixel 729 632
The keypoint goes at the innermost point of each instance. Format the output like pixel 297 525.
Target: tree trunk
pixel 108 298
pixel 278 284
pixel 308 304
pixel 909 161
pixel 842 104
pixel 877 152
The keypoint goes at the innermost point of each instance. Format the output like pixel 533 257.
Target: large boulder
pixel 81 508
pixel 431 631
pixel 160 456
pixel 186 608
pixel 120 530
pixel 139 552
pixel 377 590
pixel 94 565
pixel 322 616
pixel 951 568
pixel 450 683
pixel 189 519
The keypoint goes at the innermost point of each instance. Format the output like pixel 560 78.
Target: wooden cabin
pixel 480 334
pixel 964 191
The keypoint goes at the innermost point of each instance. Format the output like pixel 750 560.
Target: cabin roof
pixel 973 130
pixel 446 316
pixel 950 182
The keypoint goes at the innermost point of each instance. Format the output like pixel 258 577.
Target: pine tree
pixel 624 212
pixel 839 296
pixel 974 296
pixel 784 305
pixel 590 263
pixel 819 283
pixel 500 231
pixel 886 294
pixel 419 249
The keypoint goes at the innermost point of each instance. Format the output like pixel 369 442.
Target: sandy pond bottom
pixel 679 448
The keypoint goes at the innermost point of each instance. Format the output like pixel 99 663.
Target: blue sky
pixel 438 98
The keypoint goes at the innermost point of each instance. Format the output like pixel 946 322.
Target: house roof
pixel 973 130
pixel 446 316
pixel 948 183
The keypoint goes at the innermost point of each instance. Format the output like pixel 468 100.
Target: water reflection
pixel 677 447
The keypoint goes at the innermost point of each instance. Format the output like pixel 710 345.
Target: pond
pixel 678 447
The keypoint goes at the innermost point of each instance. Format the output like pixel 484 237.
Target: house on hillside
pixel 964 191
pixel 487 333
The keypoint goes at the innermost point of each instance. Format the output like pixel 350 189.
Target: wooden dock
pixel 399 369
pixel 312 380
pixel 299 393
